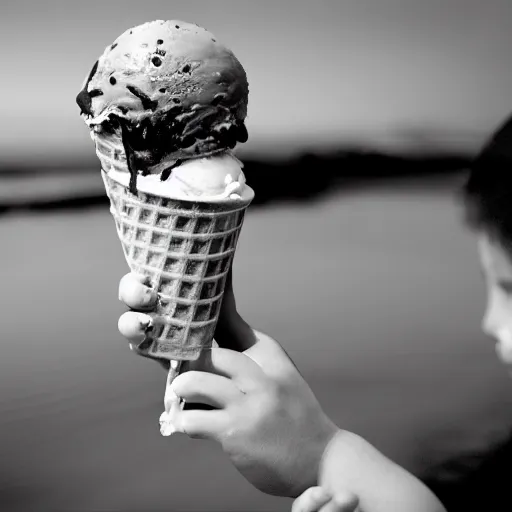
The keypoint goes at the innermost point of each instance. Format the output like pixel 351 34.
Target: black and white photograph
pixel 256 256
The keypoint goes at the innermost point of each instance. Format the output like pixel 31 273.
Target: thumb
pixel 232 331
pixel 236 366
pixel 271 356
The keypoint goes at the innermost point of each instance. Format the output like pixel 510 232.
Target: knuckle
pixel 268 388
pixel 231 432
pixel 252 412
pixel 270 396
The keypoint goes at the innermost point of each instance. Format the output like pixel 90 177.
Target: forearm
pixel 351 463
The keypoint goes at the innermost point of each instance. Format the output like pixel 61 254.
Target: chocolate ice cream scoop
pixel 170 92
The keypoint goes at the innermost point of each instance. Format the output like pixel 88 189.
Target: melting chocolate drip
pixel 84 98
pixel 147 102
pixel 218 98
pixel 167 172
pixel 131 159
pixel 243 134
pixel 227 137
pixel 162 137
pixel 95 92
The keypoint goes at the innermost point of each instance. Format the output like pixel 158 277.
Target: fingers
pixel 199 424
pixel 206 388
pixel 311 500
pixel 317 499
pixel 242 370
pixel 271 356
pixel 136 292
pixel 134 326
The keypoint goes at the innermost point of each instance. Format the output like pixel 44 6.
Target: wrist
pixel 326 441
pixel 309 456
pixel 340 459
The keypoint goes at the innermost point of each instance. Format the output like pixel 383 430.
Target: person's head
pixel 488 204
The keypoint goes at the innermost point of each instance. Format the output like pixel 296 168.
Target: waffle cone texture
pixel 186 249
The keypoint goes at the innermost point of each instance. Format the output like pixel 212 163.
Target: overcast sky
pixel 320 72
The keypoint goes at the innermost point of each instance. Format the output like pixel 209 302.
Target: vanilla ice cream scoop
pixel 216 178
pixel 170 92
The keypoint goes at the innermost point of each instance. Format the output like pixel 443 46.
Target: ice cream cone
pixel 186 249
pixel 166 105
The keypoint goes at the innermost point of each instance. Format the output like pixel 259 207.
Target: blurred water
pixel 375 294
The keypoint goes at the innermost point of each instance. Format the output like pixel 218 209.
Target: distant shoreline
pixel 306 177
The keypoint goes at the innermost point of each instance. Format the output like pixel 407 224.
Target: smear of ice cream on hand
pixel 166 426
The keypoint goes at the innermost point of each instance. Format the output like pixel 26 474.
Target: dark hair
pixel 487 193
pixel 473 480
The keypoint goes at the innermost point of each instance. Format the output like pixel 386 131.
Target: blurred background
pixel 363 114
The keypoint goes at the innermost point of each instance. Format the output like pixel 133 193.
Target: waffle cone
pixel 185 248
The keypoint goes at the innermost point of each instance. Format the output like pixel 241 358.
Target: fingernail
pixel 142 278
pixel 147 322
pixel 134 328
pixel 148 297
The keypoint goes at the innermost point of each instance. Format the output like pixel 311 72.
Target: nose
pixel 491 320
